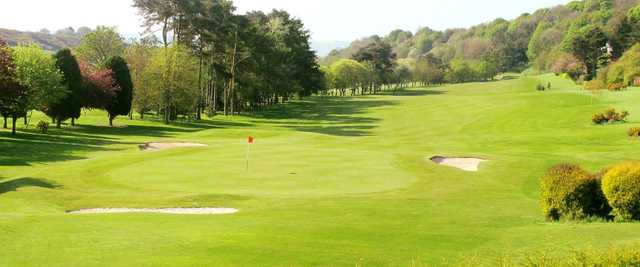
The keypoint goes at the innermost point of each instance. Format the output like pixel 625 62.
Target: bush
pixel 541 87
pixel 43 126
pixel 634 132
pixel 621 186
pixel 610 116
pixel 569 192
pixel 616 87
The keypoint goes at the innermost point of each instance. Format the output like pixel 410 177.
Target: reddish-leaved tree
pixel 101 89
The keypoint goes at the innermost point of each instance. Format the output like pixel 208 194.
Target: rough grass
pixel 332 182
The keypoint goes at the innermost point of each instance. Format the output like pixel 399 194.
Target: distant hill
pixel 49 41
pixel 537 39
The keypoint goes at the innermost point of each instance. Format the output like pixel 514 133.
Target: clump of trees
pixel 569 192
pixel 211 60
pixel 579 40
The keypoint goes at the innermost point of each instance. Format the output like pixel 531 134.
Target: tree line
pixel 197 57
pixel 581 40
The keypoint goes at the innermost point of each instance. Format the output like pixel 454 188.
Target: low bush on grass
pixel 568 192
pixel 634 132
pixel 610 116
pixel 621 186
pixel 43 126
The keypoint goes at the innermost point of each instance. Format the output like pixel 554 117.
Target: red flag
pixel 251 140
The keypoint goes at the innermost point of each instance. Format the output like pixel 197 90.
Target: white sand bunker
pixel 190 211
pixel 467 164
pixel 163 146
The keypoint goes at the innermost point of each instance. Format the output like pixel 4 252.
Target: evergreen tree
pixel 122 77
pixel 70 106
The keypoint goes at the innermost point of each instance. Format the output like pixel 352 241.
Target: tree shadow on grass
pixel 414 92
pixel 337 116
pixel 14 185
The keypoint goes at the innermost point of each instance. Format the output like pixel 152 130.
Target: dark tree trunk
pixel 73 121
pixel 58 123
pixel 13 122
pixel 111 120
pixel 5 122
pixel 26 121
pixel 142 115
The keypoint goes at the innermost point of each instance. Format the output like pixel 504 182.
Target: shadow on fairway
pixel 16 184
pixel 27 148
pixel 414 92
pixel 338 116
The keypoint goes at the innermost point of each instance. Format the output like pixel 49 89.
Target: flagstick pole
pixel 248 150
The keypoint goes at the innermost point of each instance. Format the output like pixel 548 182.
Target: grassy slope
pixel 333 181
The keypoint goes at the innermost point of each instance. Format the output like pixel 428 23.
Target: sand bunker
pixel 467 164
pixel 163 146
pixel 191 211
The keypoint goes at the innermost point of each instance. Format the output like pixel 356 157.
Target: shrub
pixel 599 118
pixel 594 85
pixel 540 87
pixel 621 186
pixel 569 192
pixel 634 132
pixel 43 126
pixel 616 87
pixel 610 116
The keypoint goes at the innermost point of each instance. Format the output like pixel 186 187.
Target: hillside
pixel 49 41
pixel 533 39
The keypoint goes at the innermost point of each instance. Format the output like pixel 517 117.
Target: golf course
pixel 331 181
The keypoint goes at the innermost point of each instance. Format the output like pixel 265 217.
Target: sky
pixel 328 20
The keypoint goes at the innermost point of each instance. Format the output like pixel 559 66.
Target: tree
pixel 121 105
pixel 100 45
pixel 100 87
pixel 12 94
pixel 138 57
pixel 587 47
pixel 37 72
pixel 70 106
pixel 381 55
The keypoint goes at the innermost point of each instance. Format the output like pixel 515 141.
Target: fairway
pixel 332 181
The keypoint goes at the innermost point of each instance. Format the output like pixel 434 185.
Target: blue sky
pixel 328 20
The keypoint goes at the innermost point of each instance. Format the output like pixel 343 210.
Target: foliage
pixel 100 87
pixel 71 105
pixel 121 105
pixel 101 44
pixel 43 126
pixel 569 192
pixel 634 132
pixel 13 96
pixel 37 72
pixel 610 116
pixel 621 185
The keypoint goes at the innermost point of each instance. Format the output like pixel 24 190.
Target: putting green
pixel 331 182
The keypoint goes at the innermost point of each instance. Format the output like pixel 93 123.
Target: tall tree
pixel 100 45
pixel 381 55
pixel 37 72
pixel 122 78
pixel 70 106
pixel 588 46
pixel 12 94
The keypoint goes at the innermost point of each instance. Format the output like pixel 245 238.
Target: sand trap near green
pixel 188 211
pixel 464 163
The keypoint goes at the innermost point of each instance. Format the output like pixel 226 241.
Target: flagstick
pixel 248 150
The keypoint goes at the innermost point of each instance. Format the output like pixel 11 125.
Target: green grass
pixel 333 182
